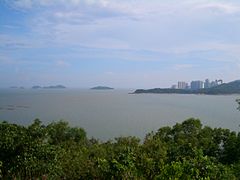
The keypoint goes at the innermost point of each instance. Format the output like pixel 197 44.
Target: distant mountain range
pixel 101 88
pixel 224 89
pixel 49 87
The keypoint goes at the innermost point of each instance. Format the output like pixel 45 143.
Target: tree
pixel 198 167
pixel 60 132
pixel 1 169
pixel 57 151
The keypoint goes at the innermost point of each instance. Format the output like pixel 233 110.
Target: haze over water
pixel 108 114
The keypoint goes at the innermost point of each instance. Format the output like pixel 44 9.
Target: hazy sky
pixel 119 43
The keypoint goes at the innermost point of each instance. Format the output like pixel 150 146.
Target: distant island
pixel 36 87
pixel 16 87
pixel 55 87
pixel 222 89
pixel 49 87
pixel 101 88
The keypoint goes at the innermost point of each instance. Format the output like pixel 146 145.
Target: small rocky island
pixel 49 87
pixel 16 87
pixel 102 88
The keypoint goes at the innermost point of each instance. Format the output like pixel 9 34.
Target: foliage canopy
pixel 188 150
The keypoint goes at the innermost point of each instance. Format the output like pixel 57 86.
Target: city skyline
pixel 197 84
pixel 122 44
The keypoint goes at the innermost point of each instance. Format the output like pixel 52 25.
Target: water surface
pixel 112 113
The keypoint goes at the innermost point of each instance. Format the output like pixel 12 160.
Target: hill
pixel 224 89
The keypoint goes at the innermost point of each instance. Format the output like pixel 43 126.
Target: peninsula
pixel 222 89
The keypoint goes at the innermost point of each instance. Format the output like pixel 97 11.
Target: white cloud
pixel 34 3
pixel 164 26
pixel 220 7
pixel 182 66
pixel 6 60
pixel 231 49
pixel 14 42
pixel 140 7
pixel 63 64
pixel 25 4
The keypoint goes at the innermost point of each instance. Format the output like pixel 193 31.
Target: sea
pixel 107 114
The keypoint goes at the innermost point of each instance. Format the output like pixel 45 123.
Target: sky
pixel 118 43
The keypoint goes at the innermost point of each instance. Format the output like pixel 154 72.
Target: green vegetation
pixel 225 88
pixel 187 150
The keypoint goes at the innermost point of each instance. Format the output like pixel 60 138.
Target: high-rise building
pixel 182 85
pixel 197 85
pixel 207 83
pixel 216 82
pixel 174 86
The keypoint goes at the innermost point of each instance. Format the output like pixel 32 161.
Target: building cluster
pixel 194 85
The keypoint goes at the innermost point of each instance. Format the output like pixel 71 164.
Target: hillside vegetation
pixel 188 150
